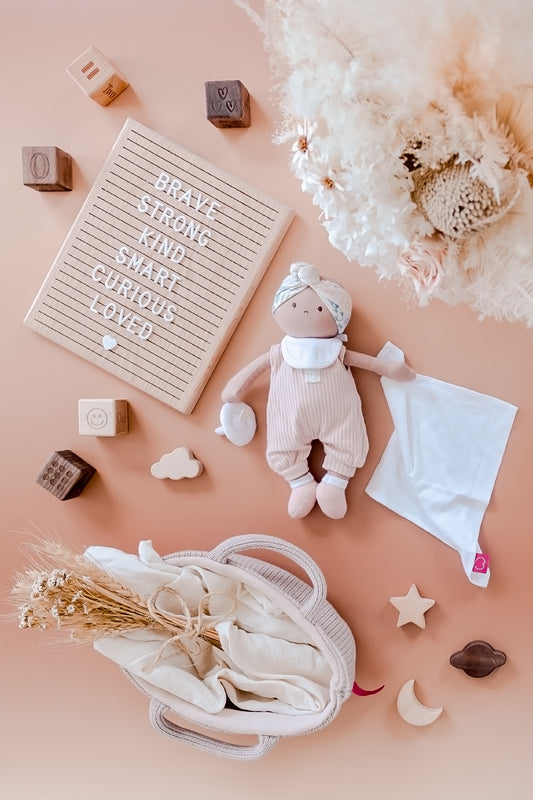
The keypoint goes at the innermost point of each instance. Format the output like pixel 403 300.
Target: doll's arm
pixel 240 382
pixel 397 370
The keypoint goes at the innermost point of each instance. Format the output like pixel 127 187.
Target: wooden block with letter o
pixel 65 474
pixel 46 169
pixel 227 104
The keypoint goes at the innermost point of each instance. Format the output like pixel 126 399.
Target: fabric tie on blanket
pixel 265 660
pixel 439 467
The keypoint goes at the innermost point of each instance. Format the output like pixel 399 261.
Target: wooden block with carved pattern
pixel 65 474
pixel 227 104
pixel 46 169
pixel 97 76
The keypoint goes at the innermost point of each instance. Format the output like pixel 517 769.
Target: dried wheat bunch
pixel 65 590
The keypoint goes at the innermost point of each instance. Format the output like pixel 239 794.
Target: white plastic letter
pixel 162 181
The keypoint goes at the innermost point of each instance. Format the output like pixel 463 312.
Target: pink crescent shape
pixel 356 689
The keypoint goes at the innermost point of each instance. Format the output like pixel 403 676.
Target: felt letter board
pixel 159 266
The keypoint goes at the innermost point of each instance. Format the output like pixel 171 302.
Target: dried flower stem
pixel 66 590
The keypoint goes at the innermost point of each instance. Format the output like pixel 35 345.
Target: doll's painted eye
pixel 294 305
pixel 319 308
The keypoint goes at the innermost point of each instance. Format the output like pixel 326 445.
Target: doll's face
pixel 305 315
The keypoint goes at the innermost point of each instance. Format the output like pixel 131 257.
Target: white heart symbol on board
pixel 109 342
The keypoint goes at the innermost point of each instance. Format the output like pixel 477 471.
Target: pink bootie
pixel 303 497
pixel 331 496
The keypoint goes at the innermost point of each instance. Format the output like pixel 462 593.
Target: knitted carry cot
pixel 307 606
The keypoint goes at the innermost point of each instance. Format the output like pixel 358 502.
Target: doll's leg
pixel 292 466
pixel 345 450
pixel 303 496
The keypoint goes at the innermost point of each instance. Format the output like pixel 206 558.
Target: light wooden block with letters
pixel 97 76
pixel 159 266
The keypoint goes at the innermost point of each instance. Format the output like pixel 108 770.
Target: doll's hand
pixel 237 423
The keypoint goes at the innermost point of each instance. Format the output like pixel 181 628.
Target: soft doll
pixel 312 392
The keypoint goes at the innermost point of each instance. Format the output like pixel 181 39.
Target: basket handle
pixel 253 541
pixel 207 743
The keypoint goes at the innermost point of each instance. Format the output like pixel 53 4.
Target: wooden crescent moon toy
pixel 412 710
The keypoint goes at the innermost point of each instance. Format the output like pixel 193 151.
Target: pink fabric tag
pixel 481 563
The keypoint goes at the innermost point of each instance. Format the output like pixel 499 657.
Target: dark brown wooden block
pixel 65 474
pixel 227 104
pixel 46 169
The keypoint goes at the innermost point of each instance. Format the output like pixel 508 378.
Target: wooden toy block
pixel 227 104
pixel 102 417
pixel 46 169
pixel 65 474
pixel 97 76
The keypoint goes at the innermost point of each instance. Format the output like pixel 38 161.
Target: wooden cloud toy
pixel 178 464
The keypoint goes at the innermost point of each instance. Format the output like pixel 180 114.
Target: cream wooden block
pixel 102 417
pixel 412 607
pixel 97 76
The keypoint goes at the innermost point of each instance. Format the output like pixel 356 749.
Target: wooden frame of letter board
pixel 216 281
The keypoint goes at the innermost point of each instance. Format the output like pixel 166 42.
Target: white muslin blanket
pixel 439 467
pixel 266 661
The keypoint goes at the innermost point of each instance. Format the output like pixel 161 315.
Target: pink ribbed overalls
pixel 300 411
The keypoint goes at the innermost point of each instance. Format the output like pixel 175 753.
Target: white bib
pixel 309 353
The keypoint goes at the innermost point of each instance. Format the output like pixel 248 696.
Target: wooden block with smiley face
pixel 102 417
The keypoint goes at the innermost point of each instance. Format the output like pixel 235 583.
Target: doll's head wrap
pixel 334 297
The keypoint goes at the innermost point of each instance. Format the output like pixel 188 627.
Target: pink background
pixel 72 725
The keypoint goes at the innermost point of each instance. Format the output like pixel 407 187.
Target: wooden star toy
pixel 412 607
